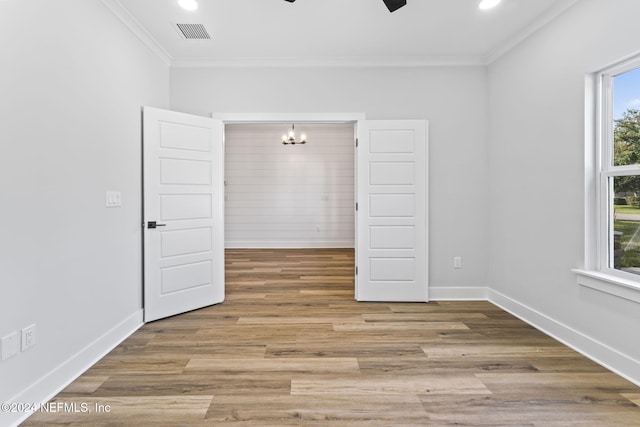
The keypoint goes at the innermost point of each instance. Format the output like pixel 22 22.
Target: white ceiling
pixel 338 32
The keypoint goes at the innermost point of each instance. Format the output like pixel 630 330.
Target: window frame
pixel 598 272
pixel 606 170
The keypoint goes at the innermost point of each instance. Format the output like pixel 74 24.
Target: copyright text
pixel 66 407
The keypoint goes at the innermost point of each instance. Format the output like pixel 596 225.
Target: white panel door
pixel 183 212
pixel 391 184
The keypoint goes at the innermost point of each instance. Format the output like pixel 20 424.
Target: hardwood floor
pixel 290 346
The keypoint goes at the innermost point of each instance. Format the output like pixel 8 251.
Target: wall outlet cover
pixel 457 262
pixel 28 337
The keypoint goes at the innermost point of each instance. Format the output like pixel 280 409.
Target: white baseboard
pixel 248 244
pixel 600 353
pixel 55 381
pixel 438 293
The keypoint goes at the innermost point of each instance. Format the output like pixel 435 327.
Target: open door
pixel 391 217
pixel 183 177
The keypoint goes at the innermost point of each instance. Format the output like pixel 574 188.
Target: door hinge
pixel 356 206
pixel 356 142
pixel 356 270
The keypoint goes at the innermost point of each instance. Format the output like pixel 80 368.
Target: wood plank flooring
pixel 290 347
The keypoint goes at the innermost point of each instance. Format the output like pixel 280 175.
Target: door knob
pixel 153 224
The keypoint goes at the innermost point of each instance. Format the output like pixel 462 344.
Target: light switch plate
pixel 113 199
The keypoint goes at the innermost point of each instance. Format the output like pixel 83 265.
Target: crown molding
pixel 138 30
pixel 552 13
pixel 333 62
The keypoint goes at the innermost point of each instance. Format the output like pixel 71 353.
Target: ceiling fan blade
pixel 393 5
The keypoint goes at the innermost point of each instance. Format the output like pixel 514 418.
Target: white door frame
pixel 288 117
pixel 228 118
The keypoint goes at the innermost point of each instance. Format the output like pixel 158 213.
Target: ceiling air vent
pixel 194 31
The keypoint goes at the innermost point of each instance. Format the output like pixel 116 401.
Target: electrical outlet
pixel 457 262
pixel 28 337
pixel 9 345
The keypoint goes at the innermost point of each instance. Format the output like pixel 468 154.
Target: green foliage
pixel 626 150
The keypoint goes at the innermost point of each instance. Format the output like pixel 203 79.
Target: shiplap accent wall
pixel 284 196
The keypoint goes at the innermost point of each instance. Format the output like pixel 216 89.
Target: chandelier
pixel 290 137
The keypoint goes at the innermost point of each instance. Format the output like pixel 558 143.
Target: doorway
pixel 290 195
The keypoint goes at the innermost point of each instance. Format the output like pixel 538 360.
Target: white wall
pixel 72 82
pixel 298 196
pixel 537 180
pixel 454 101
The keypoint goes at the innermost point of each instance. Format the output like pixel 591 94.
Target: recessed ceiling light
pixel 488 4
pixel 188 4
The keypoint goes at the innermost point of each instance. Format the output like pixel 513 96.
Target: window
pixel 619 175
pixel 612 214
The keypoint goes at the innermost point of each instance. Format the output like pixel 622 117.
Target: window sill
pixel 610 284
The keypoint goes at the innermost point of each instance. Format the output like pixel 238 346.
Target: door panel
pixel 183 193
pixel 391 248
